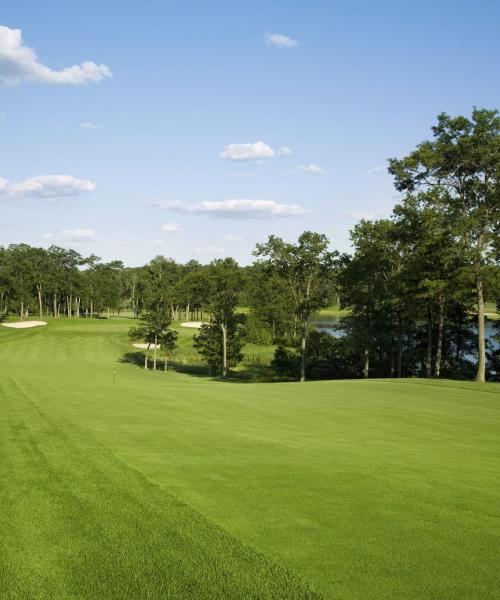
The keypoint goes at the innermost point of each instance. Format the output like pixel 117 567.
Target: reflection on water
pixel 328 325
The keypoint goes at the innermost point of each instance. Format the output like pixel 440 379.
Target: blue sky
pixel 148 134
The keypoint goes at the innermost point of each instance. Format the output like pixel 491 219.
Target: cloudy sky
pixel 196 129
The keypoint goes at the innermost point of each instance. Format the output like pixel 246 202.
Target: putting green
pixel 175 484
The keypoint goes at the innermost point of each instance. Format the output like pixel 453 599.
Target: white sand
pixel 24 324
pixel 145 346
pixel 192 324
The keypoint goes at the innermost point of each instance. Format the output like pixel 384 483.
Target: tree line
pixel 414 286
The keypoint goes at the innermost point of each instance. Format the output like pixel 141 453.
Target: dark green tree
pixel 307 268
pixel 219 341
pixel 463 160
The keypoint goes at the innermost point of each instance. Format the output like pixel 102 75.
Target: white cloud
pixel 369 215
pixel 232 237
pixel 279 40
pixel 312 169
pixel 378 169
pixel 241 208
pixel 171 227
pixel 285 151
pixel 255 151
pixel 19 63
pixel 71 235
pixel 47 186
pixel 89 125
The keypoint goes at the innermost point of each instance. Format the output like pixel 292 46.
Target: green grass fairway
pixel 172 485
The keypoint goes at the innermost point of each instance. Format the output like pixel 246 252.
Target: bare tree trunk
pixel 154 352
pixel 224 350
pixel 22 309
pixel 40 304
pixel 481 347
pixel 428 357
pixel 459 337
pixel 108 312
pixel 146 357
pixel 439 347
pixel 366 365
pixel 55 305
pixel 166 360
pixel 91 309
pixel 400 351
pixel 303 352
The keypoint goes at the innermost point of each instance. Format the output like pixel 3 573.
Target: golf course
pixel 117 482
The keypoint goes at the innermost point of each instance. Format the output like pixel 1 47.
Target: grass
pixel 178 486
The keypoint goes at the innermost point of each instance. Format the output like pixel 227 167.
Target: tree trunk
pixel 303 352
pixel 108 312
pixel 91 309
pixel 154 352
pixel 146 357
pixel 481 346
pixel 187 312
pixel 400 351
pixel 366 364
pixel 439 346
pixel 40 304
pixel 55 305
pixel 166 360
pixel 22 309
pixel 428 356
pixel 224 350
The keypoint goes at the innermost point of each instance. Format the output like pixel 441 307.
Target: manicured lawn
pixel 178 486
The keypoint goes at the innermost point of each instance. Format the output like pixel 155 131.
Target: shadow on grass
pixel 251 373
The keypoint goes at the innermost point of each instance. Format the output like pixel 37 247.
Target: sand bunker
pixel 192 324
pixel 24 324
pixel 145 346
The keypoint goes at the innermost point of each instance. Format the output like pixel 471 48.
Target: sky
pixel 196 129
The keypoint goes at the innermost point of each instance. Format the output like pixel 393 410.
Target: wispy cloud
pixel 279 40
pixel 19 63
pixel 47 186
pixel 369 215
pixel 242 208
pixel 377 169
pixel 71 235
pixel 243 174
pixel 89 125
pixel 171 227
pixel 312 169
pixel 233 237
pixel 209 251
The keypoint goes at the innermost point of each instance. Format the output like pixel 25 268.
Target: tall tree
pixel 463 160
pixel 307 267
pixel 218 341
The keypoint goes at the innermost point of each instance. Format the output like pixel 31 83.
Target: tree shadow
pixel 250 373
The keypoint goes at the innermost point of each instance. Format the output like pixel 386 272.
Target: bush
pixel 256 330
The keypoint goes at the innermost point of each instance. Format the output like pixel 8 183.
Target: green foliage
pixel 209 343
pixel 256 330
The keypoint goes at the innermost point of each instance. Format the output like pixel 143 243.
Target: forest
pixel 415 290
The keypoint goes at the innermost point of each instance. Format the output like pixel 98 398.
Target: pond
pixel 328 325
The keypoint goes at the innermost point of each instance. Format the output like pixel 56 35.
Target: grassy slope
pixel 367 489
